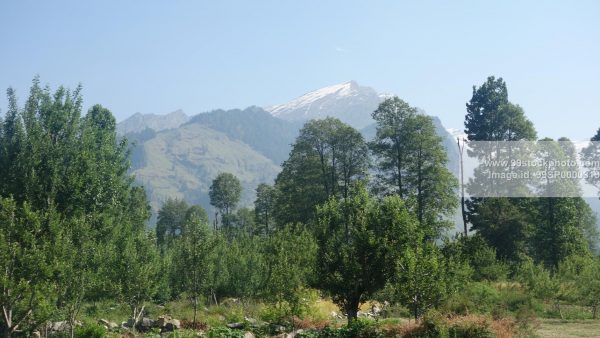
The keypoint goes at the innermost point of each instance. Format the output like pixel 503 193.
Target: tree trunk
pixel 352 309
pixel 195 309
pixel 461 149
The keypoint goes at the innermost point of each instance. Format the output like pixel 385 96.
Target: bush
pixel 90 331
pixel 224 332
pixel 471 327
pixel 360 328
pixel 476 297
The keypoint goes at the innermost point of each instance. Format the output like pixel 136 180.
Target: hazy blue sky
pixel 158 56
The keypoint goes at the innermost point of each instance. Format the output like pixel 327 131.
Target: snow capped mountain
pixel 347 101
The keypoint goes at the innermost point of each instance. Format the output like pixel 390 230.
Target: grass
pixel 568 328
pixel 576 323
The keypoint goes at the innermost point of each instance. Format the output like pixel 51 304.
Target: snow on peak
pixel 349 88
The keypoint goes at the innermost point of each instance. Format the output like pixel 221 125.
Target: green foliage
pixel 67 175
pixel 267 134
pixel 225 193
pixel 27 259
pixel 490 116
pixel 590 156
pixel 289 267
pixel 418 279
pixel 90 331
pixel 264 208
pixel 191 257
pixel 504 223
pixel 412 164
pixel 562 222
pixel 171 217
pixel 239 266
pixel 435 325
pixel 182 162
pixel 354 239
pixel 136 270
pixel 480 256
pixel 326 159
pixel 224 332
pixel 476 297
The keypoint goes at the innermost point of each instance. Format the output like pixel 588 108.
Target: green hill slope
pixel 267 134
pixel 183 162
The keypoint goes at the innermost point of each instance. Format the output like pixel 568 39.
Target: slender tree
pixel 225 192
pixel 264 208
pixel 412 162
pixel 504 223
pixel 326 159
pixel 192 255
pixel 171 218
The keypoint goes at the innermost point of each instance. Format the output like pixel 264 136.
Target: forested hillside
pixel 253 130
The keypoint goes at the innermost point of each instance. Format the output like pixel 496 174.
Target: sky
pixel 160 56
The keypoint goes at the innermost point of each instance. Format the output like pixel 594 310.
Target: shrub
pixel 90 331
pixel 476 297
pixel 471 327
pixel 224 332
pixel 359 328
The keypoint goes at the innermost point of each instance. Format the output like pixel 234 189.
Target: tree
pixel 590 157
pixel 26 261
pixel 68 173
pixel 540 282
pixel 239 267
pixel 264 208
pixel 502 222
pixel 420 278
pixel 390 144
pixel 491 117
pixel 326 159
pixel 355 237
pixel 412 163
pixel 290 260
pixel 562 218
pixel 171 218
pixel 589 284
pixel 135 269
pixel 225 192
pixel 192 254
pixel 480 256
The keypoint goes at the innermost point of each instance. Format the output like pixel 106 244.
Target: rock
pixel 248 334
pixel 253 322
pixel 130 323
pixel 279 329
pixel 235 325
pixel 58 326
pixel 167 324
pixel 294 334
pixel 37 334
pixel 174 324
pixel 162 321
pixel 145 324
